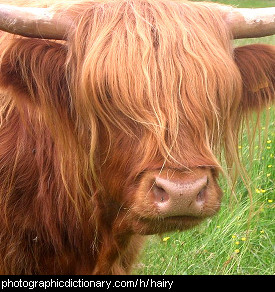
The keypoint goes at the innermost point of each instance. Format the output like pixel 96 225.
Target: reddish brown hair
pixel 160 76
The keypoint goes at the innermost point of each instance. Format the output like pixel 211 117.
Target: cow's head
pixel 155 91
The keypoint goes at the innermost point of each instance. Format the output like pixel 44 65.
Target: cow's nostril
pixel 201 195
pixel 160 194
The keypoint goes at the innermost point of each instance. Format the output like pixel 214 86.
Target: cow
pixel 115 116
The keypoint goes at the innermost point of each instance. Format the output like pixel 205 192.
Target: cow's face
pixel 166 96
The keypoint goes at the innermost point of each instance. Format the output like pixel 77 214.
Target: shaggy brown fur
pixel 138 86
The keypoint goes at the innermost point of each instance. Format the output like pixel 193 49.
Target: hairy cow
pixel 116 129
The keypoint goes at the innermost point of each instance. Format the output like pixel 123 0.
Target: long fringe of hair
pixel 185 92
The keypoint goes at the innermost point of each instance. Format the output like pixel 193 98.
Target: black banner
pixel 45 283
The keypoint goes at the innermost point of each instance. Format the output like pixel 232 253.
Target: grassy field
pixel 240 239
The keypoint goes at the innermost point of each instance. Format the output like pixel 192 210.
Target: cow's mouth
pixel 147 226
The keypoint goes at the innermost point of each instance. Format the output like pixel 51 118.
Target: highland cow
pixel 114 118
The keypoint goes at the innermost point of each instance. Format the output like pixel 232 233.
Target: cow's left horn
pixel 250 22
pixel 33 22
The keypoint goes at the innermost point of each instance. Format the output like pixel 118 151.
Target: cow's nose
pixel 175 198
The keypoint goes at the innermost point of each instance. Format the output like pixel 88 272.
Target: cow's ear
pixel 257 66
pixel 31 69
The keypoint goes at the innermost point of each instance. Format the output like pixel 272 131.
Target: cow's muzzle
pixel 173 199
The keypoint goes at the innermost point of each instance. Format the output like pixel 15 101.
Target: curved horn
pixel 44 23
pixel 250 22
pixel 33 22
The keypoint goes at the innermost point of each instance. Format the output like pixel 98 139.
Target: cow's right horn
pixel 33 22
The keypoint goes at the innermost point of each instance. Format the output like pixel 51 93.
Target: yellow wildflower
pixel 237 242
pixel 269 166
pixel 270 201
pixel 268 141
pixel 243 238
pixel 237 250
pixel 166 238
pixel 233 236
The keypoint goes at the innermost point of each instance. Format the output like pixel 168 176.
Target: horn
pixel 33 22
pixel 44 23
pixel 250 22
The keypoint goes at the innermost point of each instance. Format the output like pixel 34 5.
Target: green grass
pixel 240 239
